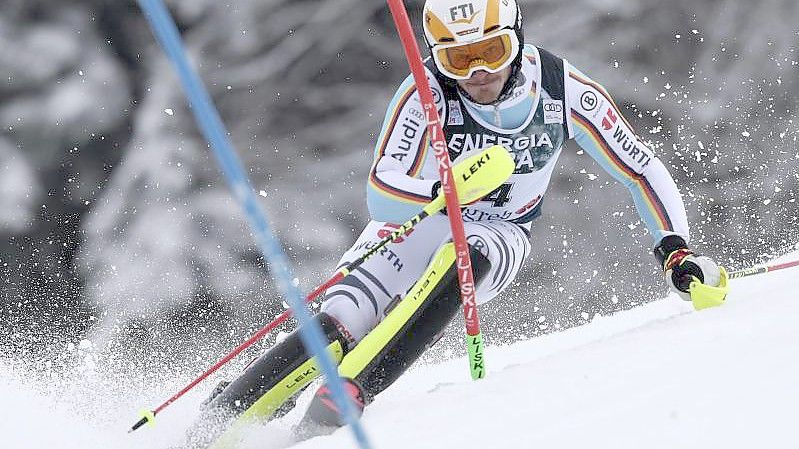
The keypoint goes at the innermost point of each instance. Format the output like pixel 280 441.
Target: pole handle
pixel 148 417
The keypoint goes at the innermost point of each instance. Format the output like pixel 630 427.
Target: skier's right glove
pixel 694 278
pixel 436 190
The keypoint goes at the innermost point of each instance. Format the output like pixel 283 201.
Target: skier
pixel 490 88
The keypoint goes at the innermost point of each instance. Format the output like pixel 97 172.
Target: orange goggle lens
pixel 493 54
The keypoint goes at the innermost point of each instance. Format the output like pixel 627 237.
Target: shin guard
pixel 265 388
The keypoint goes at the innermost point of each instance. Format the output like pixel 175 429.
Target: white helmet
pixel 469 35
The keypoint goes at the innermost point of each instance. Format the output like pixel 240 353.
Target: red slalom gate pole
pixel 474 337
pixel 763 269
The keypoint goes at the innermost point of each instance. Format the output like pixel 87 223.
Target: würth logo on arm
pixel 609 120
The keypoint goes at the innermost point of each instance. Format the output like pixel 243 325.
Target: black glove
pixel 681 266
pixel 434 192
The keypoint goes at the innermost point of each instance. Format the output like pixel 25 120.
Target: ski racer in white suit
pixel 525 99
pixel 489 89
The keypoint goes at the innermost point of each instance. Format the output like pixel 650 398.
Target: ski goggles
pixel 491 53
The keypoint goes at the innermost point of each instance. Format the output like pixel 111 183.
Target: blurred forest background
pixel 115 222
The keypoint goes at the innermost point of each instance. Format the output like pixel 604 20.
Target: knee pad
pixel 506 246
pixel 354 322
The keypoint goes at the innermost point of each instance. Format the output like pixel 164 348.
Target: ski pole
pixel 762 269
pixel 474 338
pixel 486 171
pixel 148 416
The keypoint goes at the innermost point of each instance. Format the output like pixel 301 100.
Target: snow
pixel 657 376
pixel 17 188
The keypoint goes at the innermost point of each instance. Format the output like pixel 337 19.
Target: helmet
pixel 469 35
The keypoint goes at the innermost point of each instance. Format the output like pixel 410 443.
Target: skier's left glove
pixel 694 278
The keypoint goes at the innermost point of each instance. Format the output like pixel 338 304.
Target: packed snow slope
pixel 658 376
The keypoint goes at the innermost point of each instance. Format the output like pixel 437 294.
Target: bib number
pixel 499 196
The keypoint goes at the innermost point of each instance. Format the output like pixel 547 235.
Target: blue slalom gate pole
pixel 210 123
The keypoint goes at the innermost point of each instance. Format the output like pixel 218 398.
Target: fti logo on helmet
pixel 462 14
